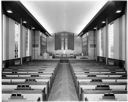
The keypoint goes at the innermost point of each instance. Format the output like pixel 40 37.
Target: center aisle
pixel 63 88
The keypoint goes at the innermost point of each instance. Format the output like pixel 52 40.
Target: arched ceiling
pixel 70 16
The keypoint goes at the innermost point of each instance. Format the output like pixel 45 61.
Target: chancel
pixel 64 50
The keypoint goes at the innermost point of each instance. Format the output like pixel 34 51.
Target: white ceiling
pixel 70 16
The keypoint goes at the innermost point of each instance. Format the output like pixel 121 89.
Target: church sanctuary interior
pixel 64 50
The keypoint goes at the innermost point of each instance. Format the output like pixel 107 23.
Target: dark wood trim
pixel 111 61
pixel 15 62
pixel 101 59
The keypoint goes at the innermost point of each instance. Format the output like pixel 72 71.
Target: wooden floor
pixel 63 88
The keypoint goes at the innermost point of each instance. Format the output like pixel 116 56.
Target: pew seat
pixel 28 95
pixel 102 97
pixel 104 87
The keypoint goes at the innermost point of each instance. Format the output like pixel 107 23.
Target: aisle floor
pixel 63 88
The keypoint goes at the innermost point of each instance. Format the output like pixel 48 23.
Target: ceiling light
pixel 33 28
pixel 118 11
pixel 24 22
pixel 95 28
pixel 103 22
pixel 9 11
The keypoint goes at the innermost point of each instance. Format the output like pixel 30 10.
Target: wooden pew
pixel 28 80
pixel 93 77
pixel 102 95
pixel 25 95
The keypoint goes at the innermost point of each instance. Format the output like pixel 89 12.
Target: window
pixel 66 43
pixel 110 41
pixel 100 43
pixel 62 43
pixel 58 41
pixel 27 42
pixel 85 45
pixel 17 40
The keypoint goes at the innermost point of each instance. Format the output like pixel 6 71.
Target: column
pixel 120 38
pixel 126 41
pixel 5 36
pixel 106 41
pixel 95 45
pixel 21 40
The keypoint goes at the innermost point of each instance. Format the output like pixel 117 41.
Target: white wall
pixel 11 39
pixel 97 43
pixel 77 46
pixel 116 39
pixel 51 44
pixel 43 43
pixel 85 45
pixel 24 42
pixel 28 50
pixel 104 41
pixel 101 42
pixel 126 39
pixel 31 32
pixel 36 43
pixel 119 39
pixel 91 48
pixel 5 38
pixel 100 35
pixel 8 39
pixel 17 37
pixel 123 33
